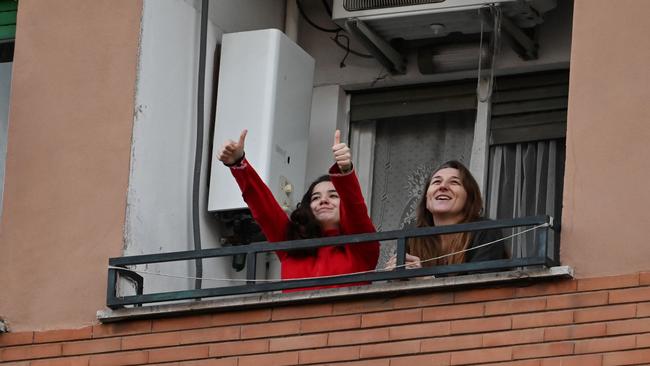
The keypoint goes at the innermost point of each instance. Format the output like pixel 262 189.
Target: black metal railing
pixel 119 265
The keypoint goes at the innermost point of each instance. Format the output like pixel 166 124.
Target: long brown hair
pixel 431 247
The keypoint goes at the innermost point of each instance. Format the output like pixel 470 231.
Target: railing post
pixel 400 253
pixel 111 289
pixel 251 270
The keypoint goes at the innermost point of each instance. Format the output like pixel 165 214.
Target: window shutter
pixel 8 10
pixel 529 108
pixel 413 100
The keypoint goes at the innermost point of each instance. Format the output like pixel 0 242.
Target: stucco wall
pixel 606 195
pixel 5 88
pixel 68 158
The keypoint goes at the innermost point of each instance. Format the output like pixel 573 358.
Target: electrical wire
pixel 496 40
pixel 337 32
pixel 339 275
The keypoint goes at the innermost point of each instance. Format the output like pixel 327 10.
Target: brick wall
pixel 595 321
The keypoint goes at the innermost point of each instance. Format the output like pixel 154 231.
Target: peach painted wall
pixel 606 195
pixel 67 169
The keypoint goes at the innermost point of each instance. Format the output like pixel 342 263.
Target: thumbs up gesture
pixel 342 154
pixel 232 152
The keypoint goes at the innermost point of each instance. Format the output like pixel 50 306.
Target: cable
pixel 338 29
pixel 334 276
pixel 323 29
pixel 198 156
pixel 496 38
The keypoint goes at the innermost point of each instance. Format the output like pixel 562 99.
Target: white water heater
pixel 265 86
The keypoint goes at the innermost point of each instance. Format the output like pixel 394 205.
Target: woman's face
pixel 446 195
pixel 325 205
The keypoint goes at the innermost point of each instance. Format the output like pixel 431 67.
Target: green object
pixel 8 11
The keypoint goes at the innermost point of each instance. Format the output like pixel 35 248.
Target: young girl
pixel 333 205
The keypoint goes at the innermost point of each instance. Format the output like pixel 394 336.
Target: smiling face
pixel 325 205
pixel 446 196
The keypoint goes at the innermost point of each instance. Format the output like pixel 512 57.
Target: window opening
pixel 527 152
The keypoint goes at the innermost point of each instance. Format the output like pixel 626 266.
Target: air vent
pixel 355 5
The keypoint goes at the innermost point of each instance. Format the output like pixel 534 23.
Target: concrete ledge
pixel 277 298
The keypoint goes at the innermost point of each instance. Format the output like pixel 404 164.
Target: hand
pixel 342 154
pixel 232 151
pixel 411 262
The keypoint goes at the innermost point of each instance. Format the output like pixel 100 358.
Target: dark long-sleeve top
pixel 489 252
pixel 328 260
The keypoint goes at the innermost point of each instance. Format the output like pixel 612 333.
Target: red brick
pixel 376 362
pixel 513 337
pixel 187 322
pixel 601 283
pixel 481 356
pixel 151 340
pixel 544 319
pixel 123 328
pixel 390 349
pixel 637 294
pixel 179 353
pixel 391 317
pixel 644 278
pixel 516 363
pixel 462 311
pixel 628 326
pixel 582 360
pixel 241 317
pixel 210 335
pixel 300 342
pixel 605 344
pixel 303 311
pixel 575 332
pixel 17 363
pixel 605 313
pixel 230 361
pixel 643 340
pixel 330 323
pixel 438 359
pixel 329 355
pixel 643 309
pixel 515 306
pixel 270 359
pixel 451 343
pixel 30 352
pixel 481 325
pixel 358 336
pixel 122 358
pixel 641 356
pixel 429 299
pixel 270 329
pixel 63 335
pixel 362 306
pixel 66 361
pixel 577 300
pixel 239 348
pixel 548 288
pixel 15 339
pixel 423 330
pixel 486 294
pixel 92 346
pixel 542 350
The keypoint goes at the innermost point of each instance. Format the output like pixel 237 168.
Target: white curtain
pixel 526 179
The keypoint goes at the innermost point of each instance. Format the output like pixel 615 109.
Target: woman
pixel 333 205
pixel 452 196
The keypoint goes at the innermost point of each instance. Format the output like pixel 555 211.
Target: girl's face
pixel 446 195
pixel 325 205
